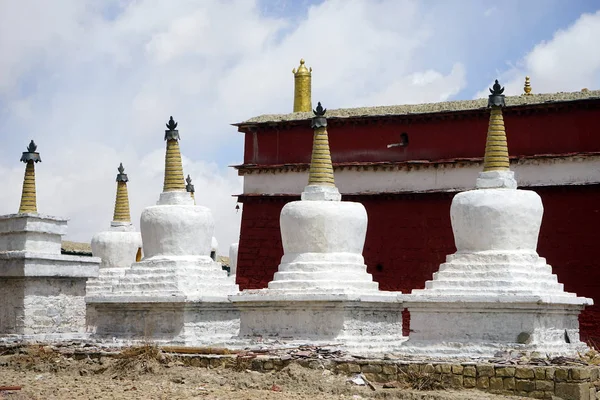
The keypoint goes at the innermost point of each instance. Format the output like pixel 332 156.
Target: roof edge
pixel 425 108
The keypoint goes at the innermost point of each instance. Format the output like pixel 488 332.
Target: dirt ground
pixel 46 375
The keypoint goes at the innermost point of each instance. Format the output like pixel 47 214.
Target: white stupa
pixel 495 293
pixel 42 292
pixel 118 247
pixel 322 291
pixel 177 293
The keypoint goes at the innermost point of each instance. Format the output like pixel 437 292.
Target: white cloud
pixel 94 86
pixel 567 62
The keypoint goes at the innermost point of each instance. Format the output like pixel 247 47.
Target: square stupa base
pixel 485 327
pixel 357 323
pixel 42 295
pixel 164 320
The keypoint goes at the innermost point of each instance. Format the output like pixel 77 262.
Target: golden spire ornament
pixel 302 88
pixel 121 213
pixel 190 188
pixel 321 168
pixel 527 87
pixel 173 165
pixel 28 196
pixel 496 147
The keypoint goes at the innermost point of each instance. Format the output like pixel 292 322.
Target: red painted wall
pixel 409 235
pixel 557 131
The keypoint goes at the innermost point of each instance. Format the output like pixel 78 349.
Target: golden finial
pixel 121 213
pixel 527 87
pixel 496 147
pixel 173 165
pixel 321 168
pixel 28 196
pixel 302 88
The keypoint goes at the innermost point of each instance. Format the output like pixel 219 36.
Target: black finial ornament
pixel 172 125
pixel 320 111
pixel 32 147
pixel 31 154
pixel 122 176
pixel 171 133
pixel 189 187
pixel 319 120
pixel 496 97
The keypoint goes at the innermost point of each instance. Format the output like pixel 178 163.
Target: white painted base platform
pixel 175 300
pixel 167 321
pixel 484 326
pixel 188 277
pixel 323 272
pixel 482 303
pixel 104 284
pixel 42 295
pixel 359 323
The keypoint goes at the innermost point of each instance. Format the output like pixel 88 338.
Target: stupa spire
pixel 121 213
pixel 173 165
pixel 302 88
pixel 321 168
pixel 527 87
pixel 496 148
pixel 28 196
pixel 190 188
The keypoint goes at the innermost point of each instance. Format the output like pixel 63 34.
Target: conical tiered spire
pixel 302 88
pixel 173 166
pixel 28 196
pixel 496 148
pixel 190 188
pixel 121 213
pixel 321 168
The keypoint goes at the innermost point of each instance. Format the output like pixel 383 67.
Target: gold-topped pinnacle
pixel 527 87
pixel 321 167
pixel 173 166
pixel 302 88
pixel 121 212
pixel 28 195
pixel 496 147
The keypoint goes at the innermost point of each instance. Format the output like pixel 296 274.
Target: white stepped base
pixel 328 272
pixel 482 326
pixel 189 277
pixel 361 323
pixel 208 322
pixel 106 281
pixel 495 273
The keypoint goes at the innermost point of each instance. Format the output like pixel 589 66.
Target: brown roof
pixel 429 108
pixel 76 248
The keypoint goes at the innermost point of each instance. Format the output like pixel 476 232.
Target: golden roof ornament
pixel 527 87
pixel 496 147
pixel 121 212
pixel 173 165
pixel 321 167
pixel 28 195
pixel 302 88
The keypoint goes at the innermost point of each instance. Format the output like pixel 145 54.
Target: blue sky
pixel 94 82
